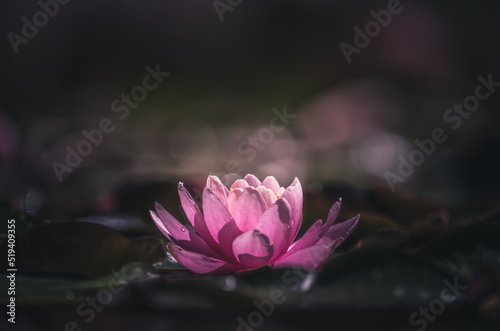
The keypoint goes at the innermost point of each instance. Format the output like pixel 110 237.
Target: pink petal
pixel 316 231
pixel 268 195
pixel 252 180
pixel 195 216
pixel 252 249
pixel 309 238
pixel 179 233
pixel 275 224
pixel 339 232
pixel 248 209
pixel 332 216
pixel 240 183
pixel 312 258
pixel 218 188
pixel 219 222
pixel 200 263
pixel 160 225
pixel 232 198
pixel 271 183
pixel 293 194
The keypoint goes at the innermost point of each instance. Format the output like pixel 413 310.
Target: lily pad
pixel 463 250
pixel 81 248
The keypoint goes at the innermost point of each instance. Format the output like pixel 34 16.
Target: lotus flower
pixel 251 225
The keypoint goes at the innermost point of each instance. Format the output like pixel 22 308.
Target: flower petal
pixel 179 233
pixel 219 222
pixel 249 209
pixel 271 183
pixel 240 183
pixel 252 180
pixel 275 224
pixel 339 232
pixel 316 231
pixel 311 258
pixel 218 188
pixel 195 217
pixel 232 198
pixel 293 194
pixel 268 195
pixel 252 249
pixel 309 238
pixel 332 216
pixel 200 263
pixel 160 225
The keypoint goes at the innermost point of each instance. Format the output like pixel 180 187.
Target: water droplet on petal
pixel 183 229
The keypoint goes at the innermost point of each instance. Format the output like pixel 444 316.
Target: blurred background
pixel 259 87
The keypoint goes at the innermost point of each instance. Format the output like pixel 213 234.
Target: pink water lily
pixel 248 226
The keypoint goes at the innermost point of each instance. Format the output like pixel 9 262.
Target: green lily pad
pixel 463 250
pixel 81 248
pixel 366 278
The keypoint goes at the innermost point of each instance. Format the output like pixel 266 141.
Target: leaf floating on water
pixel 80 248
